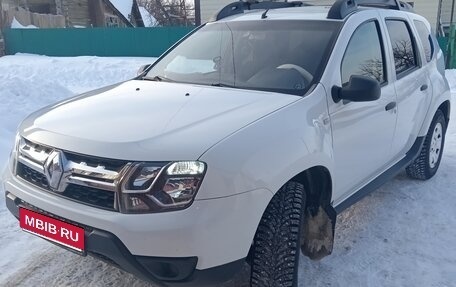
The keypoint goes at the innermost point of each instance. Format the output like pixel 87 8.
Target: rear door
pixel 413 87
pixel 428 51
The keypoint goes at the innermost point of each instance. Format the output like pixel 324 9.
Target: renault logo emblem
pixel 53 169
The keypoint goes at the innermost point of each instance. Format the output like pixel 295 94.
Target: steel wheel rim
pixel 436 145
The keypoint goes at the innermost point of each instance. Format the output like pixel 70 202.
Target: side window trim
pixel 382 49
pixel 418 58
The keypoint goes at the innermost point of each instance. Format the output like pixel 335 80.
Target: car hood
pixel 149 121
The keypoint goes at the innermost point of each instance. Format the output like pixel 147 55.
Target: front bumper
pixel 216 232
pixel 164 271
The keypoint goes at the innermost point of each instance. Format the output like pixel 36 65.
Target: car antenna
pixel 264 16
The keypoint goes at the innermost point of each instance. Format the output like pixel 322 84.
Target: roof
pixel 126 20
pixel 149 20
pixel 123 6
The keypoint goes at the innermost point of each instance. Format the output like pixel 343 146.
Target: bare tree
pixel 403 55
pixel 373 68
pixel 170 12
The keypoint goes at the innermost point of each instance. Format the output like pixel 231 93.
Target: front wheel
pixel 276 243
pixel 427 163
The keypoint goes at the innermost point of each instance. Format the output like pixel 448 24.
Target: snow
pixel 29 82
pixel 401 235
pixel 124 7
pixel 149 20
pixel 451 77
pixel 16 25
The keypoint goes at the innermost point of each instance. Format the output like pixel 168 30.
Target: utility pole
pixel 197 12
pixel 439 20
pixel 452 12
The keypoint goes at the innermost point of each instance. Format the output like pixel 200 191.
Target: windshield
pixel 278 56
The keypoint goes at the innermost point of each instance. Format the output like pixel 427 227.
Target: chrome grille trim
pixel 61 172
pixel 99 172
pixel 30 163
pixel 95 177
pixel 36 157
pixel 33 152
pixel 91 183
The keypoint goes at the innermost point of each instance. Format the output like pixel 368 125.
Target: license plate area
pixel 65 234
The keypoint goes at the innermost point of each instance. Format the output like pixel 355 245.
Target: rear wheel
pixel 275 250
pixel 427 163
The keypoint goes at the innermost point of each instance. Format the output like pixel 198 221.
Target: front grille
pixel 85 179
pixel 32 176
pixel 87 195
pixel 91 196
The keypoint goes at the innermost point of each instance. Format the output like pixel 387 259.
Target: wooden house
pixel 78 13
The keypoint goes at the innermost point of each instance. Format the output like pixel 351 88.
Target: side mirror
pixel 359 89
pixel 143 68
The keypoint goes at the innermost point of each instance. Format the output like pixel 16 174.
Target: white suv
pixel 242 143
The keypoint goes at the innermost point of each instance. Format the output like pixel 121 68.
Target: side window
pixel 426 39
pixel 403 47
pixel 364 55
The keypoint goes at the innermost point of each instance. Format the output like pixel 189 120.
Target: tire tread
pixel 276 243
pixel 419 168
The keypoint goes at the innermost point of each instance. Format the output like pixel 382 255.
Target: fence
pixel 451 49
pixel 147 42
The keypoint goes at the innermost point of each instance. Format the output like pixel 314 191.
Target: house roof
pixel 123 6
pixel 124 18
pixel 149 20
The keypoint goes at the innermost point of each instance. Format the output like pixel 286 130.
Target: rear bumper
pixel 163 271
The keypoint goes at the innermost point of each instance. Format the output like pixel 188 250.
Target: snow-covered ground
pixel 404 234
pixel 27 83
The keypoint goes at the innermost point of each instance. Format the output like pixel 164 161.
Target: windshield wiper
pixel 159 79
pixel 222 85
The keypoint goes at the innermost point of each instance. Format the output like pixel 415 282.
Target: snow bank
pixel 30 82
pixel 451 77
pixel 16 25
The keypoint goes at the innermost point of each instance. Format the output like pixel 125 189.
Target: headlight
pixel 157 187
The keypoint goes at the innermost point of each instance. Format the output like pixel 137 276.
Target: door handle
pixel 424 87
pixel 390 106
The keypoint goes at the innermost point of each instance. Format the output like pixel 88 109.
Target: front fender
pixel 272 150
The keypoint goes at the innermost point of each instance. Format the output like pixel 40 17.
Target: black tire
pixel 276 245
pixel 421 167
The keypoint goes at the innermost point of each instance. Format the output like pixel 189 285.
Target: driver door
pixel 362 131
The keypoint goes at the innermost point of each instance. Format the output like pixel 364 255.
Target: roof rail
pixel 342 8
pixel 241 6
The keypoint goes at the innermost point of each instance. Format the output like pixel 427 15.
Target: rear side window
pixel 426 39
pixel 403 47
pixel 364 54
